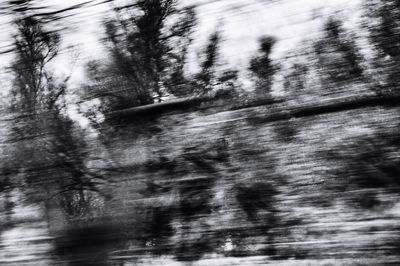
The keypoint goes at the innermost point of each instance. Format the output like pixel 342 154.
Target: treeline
pixel 148 63
pixel 148 45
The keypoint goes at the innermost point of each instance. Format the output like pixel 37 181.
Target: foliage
pixel 338 56
pixel 146 40
pixel 296 78
pixel 43 139
pixel 384 31
pixel 262 67
pixel 149 44
pixel 34 87
pixel 205 78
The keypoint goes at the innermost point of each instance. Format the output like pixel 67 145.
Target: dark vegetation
pixel 176 204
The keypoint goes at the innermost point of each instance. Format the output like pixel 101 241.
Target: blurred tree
pixel 385 30
pixel 33 91
pixel 34 88
pixel 113 86
pixel 296 78
pixel 206 77
pixel 262 67
pixel 337 55
pixel 147 40
pixel 384 27
pixel 46 149
pixel 109 86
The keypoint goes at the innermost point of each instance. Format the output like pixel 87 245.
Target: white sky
pixel 243 22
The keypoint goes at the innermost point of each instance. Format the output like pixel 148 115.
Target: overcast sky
pixel 241 22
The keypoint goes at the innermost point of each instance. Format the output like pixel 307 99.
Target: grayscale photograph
pixel 199 132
